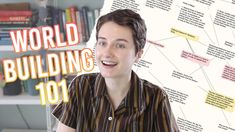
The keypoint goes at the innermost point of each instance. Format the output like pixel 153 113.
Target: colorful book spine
pixel 68 15
pixel 14 18
pixel 15 6
pixel 14 22
pixel 79 25
pixel 16 13
pixel 73 14
pixel 73 19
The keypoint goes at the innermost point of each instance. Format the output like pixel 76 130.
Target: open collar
pixel 135 98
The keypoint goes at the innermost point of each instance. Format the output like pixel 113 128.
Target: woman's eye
pixel 101 43
pixel 120 46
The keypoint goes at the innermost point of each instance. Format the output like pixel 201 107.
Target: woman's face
pixel 115 50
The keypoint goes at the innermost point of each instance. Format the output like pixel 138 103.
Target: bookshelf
pixel 7 51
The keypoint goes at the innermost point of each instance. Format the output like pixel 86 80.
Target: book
pixel 83 28
pixel 73 14
pixel 79 25
pixel 5 42
pixel 14 18
pixel 85 19
pixel 8 23
pixel 16 13
pixel 15 6
pixel 7 29
pixel 73 18
pixel 62 23
pixel 16 25
pixel 96 14
pixel 55 16
pixel 68 15
pixel 5 37
pixel 91 21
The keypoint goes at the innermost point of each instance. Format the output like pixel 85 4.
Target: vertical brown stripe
pixel 164 121
pixel 99 112
pixel 135 93
pixel 141 121
pixel 119 123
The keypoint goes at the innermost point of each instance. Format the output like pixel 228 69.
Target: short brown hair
pixel 129 18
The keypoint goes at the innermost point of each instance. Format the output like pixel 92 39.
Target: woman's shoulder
pixel 85 77
pixel 153 89
pixel 83 84
pixel 80 81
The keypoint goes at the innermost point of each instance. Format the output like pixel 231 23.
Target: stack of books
pixel 83 17
pixel 14 16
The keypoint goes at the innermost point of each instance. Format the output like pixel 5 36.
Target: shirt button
pixel 110 118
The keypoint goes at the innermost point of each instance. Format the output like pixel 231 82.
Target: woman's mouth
pixel 109 63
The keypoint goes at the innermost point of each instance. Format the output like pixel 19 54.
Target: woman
pixel 116 99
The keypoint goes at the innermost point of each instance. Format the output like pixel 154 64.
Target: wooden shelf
pixel 22 99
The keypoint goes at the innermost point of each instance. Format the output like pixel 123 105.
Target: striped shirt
pixel 145 108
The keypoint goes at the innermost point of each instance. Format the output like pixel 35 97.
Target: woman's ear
pixel 138 55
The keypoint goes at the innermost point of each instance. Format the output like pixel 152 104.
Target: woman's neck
pixel 118 88
pixel 118 85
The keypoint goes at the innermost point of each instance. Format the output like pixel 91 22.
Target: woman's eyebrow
pixel 119 39
pixel 101 38
pixel 122 40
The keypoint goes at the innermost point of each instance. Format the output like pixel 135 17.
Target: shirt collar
pixel 135 98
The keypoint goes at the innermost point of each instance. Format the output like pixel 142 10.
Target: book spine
pixel 79 25
pixel 15 6
pixel 14 18
pixel 4 34
pixel 15 13
pixel 61 23
pixel 83 28
pixel 73 14
pixel 90 19
pixel 5 42
pixel 96 14
pixel 84 12
pixel 49 18
pixel 55 16
pixel 64 22
pixel 68 15
pixel 73 18
pixel 5 38
pixel 15 22
pixel 7 29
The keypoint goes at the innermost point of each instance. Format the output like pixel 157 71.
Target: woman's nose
pixel 108 51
